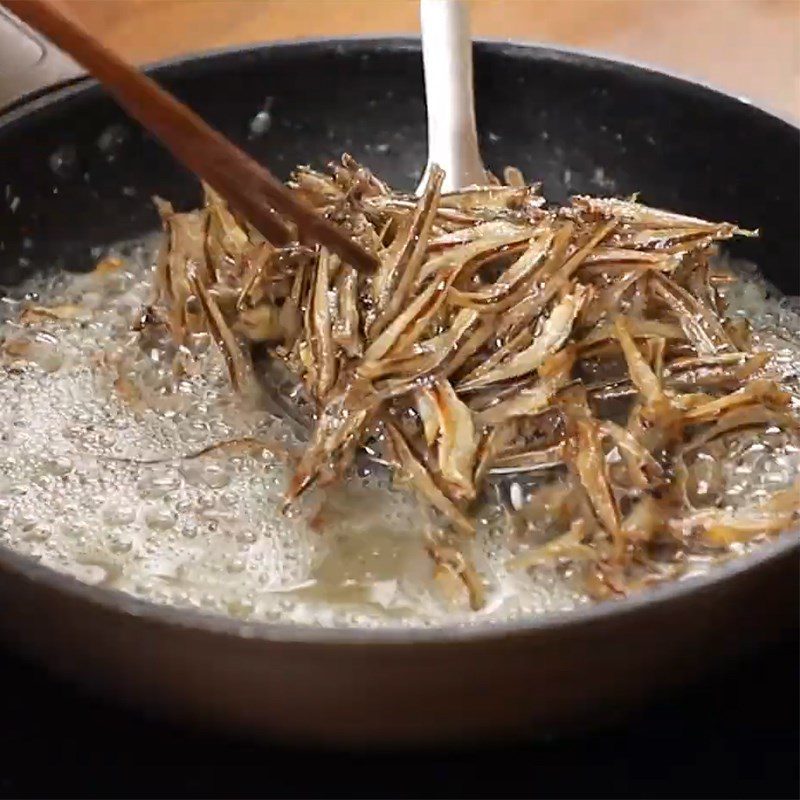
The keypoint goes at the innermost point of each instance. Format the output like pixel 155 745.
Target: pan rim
pixel 119 602
pixel 52 94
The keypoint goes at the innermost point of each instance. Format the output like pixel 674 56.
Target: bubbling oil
pixel 115 489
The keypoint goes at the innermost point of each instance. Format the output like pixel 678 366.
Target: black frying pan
pixel 579 123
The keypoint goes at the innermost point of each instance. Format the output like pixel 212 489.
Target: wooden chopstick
pixel 244 183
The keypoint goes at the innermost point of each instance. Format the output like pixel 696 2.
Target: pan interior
pixel 128 525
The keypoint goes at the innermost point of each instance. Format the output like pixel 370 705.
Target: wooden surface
pixel 747 47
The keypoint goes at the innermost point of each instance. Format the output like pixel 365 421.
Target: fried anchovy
pixel 584 348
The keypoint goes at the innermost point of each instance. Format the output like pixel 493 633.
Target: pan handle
pixel 29 63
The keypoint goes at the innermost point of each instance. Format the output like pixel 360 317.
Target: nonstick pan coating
pixel 82 175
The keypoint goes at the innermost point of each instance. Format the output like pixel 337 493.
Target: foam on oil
pixel 108 487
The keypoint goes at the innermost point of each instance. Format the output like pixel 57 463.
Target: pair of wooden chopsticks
pixel 246 185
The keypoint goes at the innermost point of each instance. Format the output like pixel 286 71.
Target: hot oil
pixel 102 476
pixel 765 461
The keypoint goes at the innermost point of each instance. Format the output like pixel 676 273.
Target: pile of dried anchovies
pixel 499 336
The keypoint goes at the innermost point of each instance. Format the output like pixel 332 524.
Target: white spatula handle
pixel 447 58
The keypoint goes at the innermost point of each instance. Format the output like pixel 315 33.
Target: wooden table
pixel 747 47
